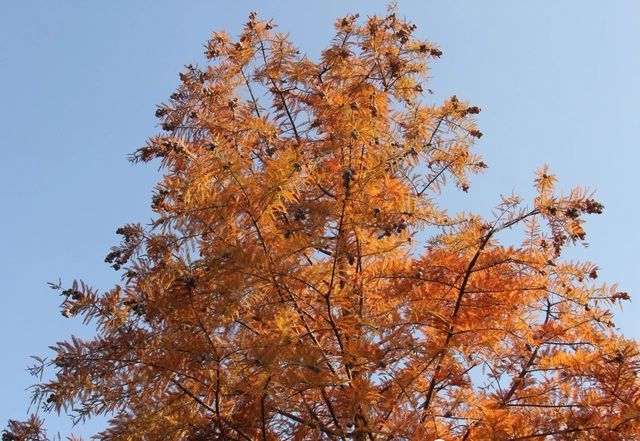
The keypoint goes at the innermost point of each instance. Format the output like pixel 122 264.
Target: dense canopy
pixel 299 280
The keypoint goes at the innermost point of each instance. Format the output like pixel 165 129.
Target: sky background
pixel 558 83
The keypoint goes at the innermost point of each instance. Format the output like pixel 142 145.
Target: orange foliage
pixel 282 291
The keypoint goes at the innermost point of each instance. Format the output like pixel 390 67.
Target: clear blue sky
pixel 558 82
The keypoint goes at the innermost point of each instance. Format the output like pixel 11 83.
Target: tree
pixel 284 289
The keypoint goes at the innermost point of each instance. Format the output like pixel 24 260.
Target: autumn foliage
pixel 300 282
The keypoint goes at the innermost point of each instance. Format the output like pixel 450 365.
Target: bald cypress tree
pixel 300 282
